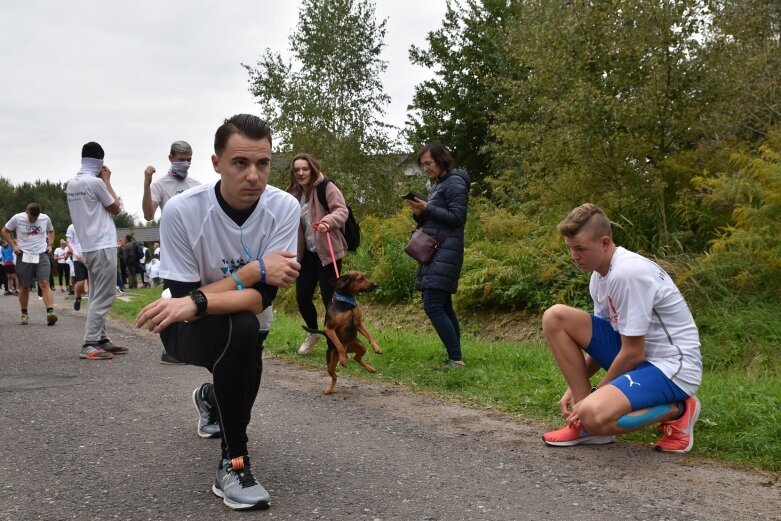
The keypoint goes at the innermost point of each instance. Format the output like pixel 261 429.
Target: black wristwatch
pixel 200 302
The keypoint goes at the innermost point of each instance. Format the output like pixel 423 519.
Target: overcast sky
pixel 136 76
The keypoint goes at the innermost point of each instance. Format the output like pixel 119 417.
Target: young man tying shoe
pixel 642 333
pixel 228 246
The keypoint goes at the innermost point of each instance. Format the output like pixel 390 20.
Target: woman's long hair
pixel 314 168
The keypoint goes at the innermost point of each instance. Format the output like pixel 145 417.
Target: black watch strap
pixel 200 302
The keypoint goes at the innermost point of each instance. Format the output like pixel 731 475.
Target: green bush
pixel 745 256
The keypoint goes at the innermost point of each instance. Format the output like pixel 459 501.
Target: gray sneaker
pixel 208 425
pixel 238 487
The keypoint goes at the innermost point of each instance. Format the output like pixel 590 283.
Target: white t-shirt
pixel 203 244
pixel 73 241
pixel 168 186
pixel 30 236
pixel 153 269
pixel 639 298
pixel 60 254
pixel 87 201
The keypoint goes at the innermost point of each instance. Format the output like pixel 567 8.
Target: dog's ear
pixel 342 282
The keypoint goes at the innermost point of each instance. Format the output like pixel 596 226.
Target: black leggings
pixel 229 347
pixel 63 271
pixel 313 272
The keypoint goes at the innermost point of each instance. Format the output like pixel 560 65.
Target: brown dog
pixel 343 322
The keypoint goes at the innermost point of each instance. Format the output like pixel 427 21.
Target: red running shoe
pixel 568 436
pixel 678 435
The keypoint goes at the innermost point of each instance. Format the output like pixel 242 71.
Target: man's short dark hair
pixel 33 209
pixel 93 150
pixel 129 237
pixel 439 154
pixel 247 125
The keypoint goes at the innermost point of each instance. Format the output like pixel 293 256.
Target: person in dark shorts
pixel 33 244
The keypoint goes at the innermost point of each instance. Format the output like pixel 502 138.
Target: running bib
pixel 30 258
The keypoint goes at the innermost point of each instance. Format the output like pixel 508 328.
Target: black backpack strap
pixel 321 194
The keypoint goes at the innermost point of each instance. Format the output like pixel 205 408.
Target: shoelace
pixel 246 478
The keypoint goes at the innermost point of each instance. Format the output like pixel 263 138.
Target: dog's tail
pixel 313 331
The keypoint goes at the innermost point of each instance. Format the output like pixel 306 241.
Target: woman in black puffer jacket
pixel 443 217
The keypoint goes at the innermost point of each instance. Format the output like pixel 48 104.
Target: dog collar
pixel 347 299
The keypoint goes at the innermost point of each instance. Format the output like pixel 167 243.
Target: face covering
pixel 91 166
pixel 179 169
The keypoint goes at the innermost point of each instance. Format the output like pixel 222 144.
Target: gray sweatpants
pixel 102 269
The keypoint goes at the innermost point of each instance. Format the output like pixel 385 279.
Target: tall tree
pixel 329 100
pixel 744 53
pixel 457 106
pixel 613 91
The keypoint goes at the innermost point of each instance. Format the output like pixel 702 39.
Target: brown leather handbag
pixel 421 246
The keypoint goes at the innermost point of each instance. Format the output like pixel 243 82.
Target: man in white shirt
pixel 642 333
pixel 34 237
pixel 78 269
pixel 61 257
pixel 228 246
pixel 157 194
pixel 92 203
pixel 175 181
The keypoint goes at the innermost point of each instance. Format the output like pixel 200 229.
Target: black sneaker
pixel 238 487
pixel 208 423
pixel 165 358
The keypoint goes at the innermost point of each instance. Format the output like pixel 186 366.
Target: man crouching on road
pixel 228 246
pixel 642 333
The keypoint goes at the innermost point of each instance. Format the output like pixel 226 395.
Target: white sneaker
pixel 309 344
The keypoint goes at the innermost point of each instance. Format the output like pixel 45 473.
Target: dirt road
pixel 116 440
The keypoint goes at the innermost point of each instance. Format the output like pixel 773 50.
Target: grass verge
pixel 740 422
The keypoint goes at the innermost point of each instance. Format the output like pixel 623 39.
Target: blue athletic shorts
pixel 644 386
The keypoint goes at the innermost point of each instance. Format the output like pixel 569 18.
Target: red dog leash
pixel 330 246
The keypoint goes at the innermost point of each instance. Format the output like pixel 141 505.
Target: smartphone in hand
pixel 411 196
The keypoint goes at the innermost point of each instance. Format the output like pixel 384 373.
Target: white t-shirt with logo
pixel 60 253
pixel 203 244
pixel 73 241
pixel 639 298
pixel 168 186
pixel 88 198
pixel 30 236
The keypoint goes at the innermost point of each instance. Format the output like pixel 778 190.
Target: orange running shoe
pixel 568 436
pixel 678 435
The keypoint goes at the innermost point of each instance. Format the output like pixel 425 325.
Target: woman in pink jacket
pixel 314 254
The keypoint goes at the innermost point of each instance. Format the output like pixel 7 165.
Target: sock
pixel 682 407
pixel 24 311
pixel 49 310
